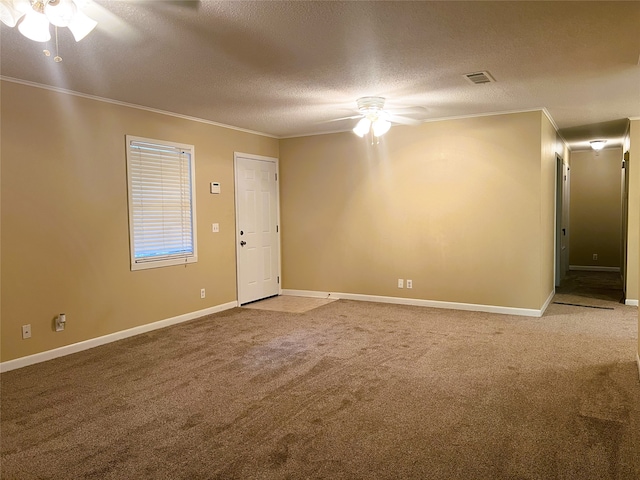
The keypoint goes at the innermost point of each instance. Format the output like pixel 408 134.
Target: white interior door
pixel 566 232
pixel 559 232
pixel 257 231
pixel 562 220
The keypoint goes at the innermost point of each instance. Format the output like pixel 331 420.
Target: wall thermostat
pixel 215 187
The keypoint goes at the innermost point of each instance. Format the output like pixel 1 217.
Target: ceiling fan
pixel 34 18
pixel 373 117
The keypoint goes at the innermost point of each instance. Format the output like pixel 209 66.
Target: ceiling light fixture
pixel 34 16
pixel 598 145
pixel 374 118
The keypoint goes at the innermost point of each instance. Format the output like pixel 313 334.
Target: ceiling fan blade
pixel 110 23
pixel 407 110
pixel 403 120
pixel 342 118
pixel 190 4
pixel 193 4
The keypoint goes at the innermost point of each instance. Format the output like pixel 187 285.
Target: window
pixel 162 210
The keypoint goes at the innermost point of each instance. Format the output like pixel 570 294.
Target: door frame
pixel 262 158
pixel 625 220
pixel 561 193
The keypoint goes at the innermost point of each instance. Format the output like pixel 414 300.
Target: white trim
pixel 553 122
pixel 557 227
pixel 631 302
pixel 524 312
pixel 638 362
pixel 493 114
pixel 112 337
pixel 594 268
pixel 548 301
pixel 131 105
pixel 444 119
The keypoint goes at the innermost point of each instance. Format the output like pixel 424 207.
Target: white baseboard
pixel 594 268
pixel 526 312
pixel 632 302
pixel 547 302
pixel 112 337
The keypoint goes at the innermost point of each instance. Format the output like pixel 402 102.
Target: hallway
pixel 595 285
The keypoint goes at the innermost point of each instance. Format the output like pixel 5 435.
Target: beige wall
pixel 65 237
pixel 633 258
pixel 596 209
pixel 462 207
pixel 633 244
pixel 456 206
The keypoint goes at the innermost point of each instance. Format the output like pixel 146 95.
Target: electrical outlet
pixel 202 293
pixel 215 227
pixel 409 283
pixel 400 283
pixel 26 331
pixel 595 256
pixel 60 322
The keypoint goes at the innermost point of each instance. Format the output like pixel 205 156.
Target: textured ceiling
pixel 293 68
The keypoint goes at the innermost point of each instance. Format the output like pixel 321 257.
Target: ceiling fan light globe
pixel 81 25
pixel 10 14
pixel 362 128
pixel 22 6
pixel 61 14
pixel 381 126
pixel 35 26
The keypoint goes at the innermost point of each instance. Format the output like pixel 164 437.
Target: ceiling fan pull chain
pixel 57 58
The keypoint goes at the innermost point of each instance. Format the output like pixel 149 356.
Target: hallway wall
pixel 596 209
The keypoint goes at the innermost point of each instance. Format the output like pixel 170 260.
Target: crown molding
pixel 131 105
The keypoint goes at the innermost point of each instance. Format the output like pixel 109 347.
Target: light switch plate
pixel 26 331
pixel 215 187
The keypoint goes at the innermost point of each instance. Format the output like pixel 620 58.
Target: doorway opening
pixel 590 226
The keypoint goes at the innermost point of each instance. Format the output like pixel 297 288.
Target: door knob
pixel 243 243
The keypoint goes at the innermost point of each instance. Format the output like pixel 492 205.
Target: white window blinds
pixel 161 203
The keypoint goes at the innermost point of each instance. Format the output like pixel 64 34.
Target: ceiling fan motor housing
pixel 370 104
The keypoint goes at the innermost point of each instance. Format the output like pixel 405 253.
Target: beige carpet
pixel 348 390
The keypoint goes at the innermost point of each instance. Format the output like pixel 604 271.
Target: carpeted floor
pixel 348 390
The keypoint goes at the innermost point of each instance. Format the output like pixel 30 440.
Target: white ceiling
pixel 292 68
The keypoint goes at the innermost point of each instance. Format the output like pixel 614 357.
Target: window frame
pixel 171 259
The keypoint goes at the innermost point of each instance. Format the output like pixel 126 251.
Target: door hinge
pixel 277 229
pixel 276 177
pixel 278 280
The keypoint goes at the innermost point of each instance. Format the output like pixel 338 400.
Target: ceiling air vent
pixel 478 78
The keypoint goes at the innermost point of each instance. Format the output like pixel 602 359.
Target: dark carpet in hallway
pixel 597 285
